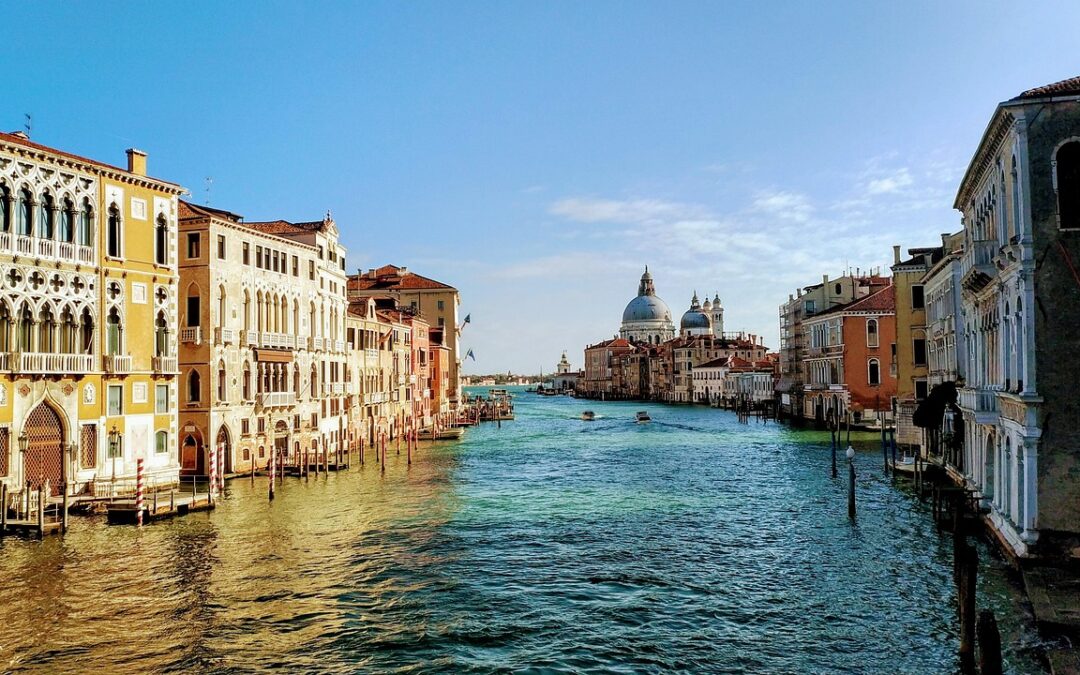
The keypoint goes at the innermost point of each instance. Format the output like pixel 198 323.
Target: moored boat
pixel 642 417
pixel 588 416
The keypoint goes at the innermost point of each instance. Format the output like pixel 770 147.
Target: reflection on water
pixel 692 543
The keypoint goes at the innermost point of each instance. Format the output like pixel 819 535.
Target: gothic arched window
pixel 1068 184
pixel 114 233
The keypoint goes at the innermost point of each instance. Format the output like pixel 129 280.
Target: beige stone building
pixel 262 338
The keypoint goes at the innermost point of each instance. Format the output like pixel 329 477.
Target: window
pixel 193 307
pixel 67 222
pixel 917 300
pixel 871 333
pixel 113 235
pixel 839 289
pixel 311 270
pixel 161 241
pixel 440 305
pixel 5 212
pixel 920 389
pixel 113 333
pixel 873 372
pixel 247 253
pixel 247 382
pixel 809 307
pixel 1067 185
pixel 295 266
pixel 86 217
pixel 245 428
pixel 161 399
pixel 116 399
pixel 45 217
pixel 193 245
pixel 918 349
pixel 194 387
pixel 442 322
pixel 161 442
pixel 221 382
pixel 161 335
pixel 221 247
pixel 258 256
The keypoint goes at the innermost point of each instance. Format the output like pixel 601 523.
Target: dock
pixel 157 506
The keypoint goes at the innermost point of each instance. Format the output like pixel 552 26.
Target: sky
pixel 537 156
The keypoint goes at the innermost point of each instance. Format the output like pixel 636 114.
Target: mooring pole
pixel 851 484
pixel 832 435
pixel 989 643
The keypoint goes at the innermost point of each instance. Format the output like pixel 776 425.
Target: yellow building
pixel 910 358
pixel 88 262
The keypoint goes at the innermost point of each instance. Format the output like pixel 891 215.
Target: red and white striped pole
pixel 210 494
pixel 221 468
pixel 140 489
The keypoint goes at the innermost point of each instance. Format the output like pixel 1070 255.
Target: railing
pixel 371 353
pixel 64 251
pixel 38 362
pixel 116 364
pixel 335 388
pixel 1012 408
pixel 377 397
pixel 978 400
pixel 165 365
pixel 24 245
pixel 275 340
pixel 226 336
pixel 290 341
pixel 352 387
pixel 5 360
pixel 191 334
pixel 315 344
pixel 983 252
pixel 277 399
pixel 46 248
pixel 251 338
pixel 339 346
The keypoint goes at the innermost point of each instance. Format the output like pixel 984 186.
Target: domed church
pixel 647 317
pixel 707 319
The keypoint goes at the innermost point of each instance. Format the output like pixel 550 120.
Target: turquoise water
pixel 694 543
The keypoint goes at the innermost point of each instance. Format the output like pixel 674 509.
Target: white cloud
pixel 782 204
pixel 892 183
pixel 640 211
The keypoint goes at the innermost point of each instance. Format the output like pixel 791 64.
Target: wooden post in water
pixel 832 436
pixel 851 489
pixel 969 570
pixel 272 472
pixel 884 444
pixel 361 449
pixel 3 508
pixel 41 510
pixel 989 644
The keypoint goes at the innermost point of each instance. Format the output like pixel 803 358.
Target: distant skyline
pixel 538 156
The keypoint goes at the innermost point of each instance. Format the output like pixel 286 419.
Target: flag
pixel 470 355
pixel 468 319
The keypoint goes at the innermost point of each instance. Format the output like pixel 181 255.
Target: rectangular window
pixel 810 307
pixel 311 270
pixel 161 442
pixel 920 389
pixel 440 305
pixel 89 446
pixel 919 351
pixel 116 399
pixel 442 322
pixel 193 245
pixel 258 256
pixel 314 420
pixel 193 311
pixel 221 247
pixel 261 424
pixel 245 427
pixel 161 399
pixel 917 300
pixel 295 266
pixel 247 253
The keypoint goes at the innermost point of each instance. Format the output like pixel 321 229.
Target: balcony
pixel 226 336
pixel 277 399
pixel 47 249
pixel 251 338
pixel 339 346
pixel 116 364
pixel 371 354
pixel 275 340
pixel 981 270
pixel 978 400
pixel 315 344
pixel 191 334
pixel 52 364
pixel 333 388
pixel 165 365
pixel 352 387
pixel 375 398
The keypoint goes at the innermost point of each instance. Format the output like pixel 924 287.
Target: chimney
pixel 825 278
pixel 136 161
pixel 896 254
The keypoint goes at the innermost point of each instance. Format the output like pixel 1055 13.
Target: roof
pixel 285 227
pixel 393 278
pixel 20 138
pixel 881 301
pixel 614 342
pixel 189 211
pixel 1069 87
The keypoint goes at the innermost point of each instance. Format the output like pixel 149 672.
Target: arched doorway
pixel 224 446
pixel 281 440
pixel 193 455
pixel 44 431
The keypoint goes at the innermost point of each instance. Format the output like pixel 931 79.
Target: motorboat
pixel 643 417
pixel 588 416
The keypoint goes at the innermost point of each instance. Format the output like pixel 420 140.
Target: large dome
pixel 695 319
pixel 646 308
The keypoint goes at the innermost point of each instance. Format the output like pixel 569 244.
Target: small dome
pixel 695 319
pixel 646 308
pixel 707 306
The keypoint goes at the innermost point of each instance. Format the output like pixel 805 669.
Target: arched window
pixel 87 329
pixel 5 209
pixel 45 217
pixel 1018 324
pixel 67 222
pixel 295 317
pixel 221 318
pixel 46 330
pixel 161 241
pixel 1018 223
pixel 26 329
pixel 114 233
pixel 1068 184
pixel 247 310
pixel 873 372
pixel 221 381
pixel 86 218
pixel 25 213
pixel 5 328
pixel 311 319
pixel 314 381
pixel 284 315
pixel 161 442
pixel 68 331
pixel 194 308
pixel 296 381
pixel 113 333
pixel 247 382
pixel 161 335
pixel 260 325
pixel 871 333
pixel 194 387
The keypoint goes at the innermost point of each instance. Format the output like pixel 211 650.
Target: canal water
pixel 694 543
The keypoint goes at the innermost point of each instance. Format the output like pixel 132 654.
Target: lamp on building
pixel 24 442
pixel 114 448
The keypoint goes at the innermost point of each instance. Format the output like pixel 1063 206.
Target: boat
pixel 643 417
pixel 588 416
pixel 906 465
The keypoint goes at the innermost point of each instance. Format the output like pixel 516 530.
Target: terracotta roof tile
pixel 390 278
pixel 20 139
pixel 1067 87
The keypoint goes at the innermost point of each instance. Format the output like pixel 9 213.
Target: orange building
pixel 850 358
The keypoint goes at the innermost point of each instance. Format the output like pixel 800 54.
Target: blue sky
pixel 538 155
